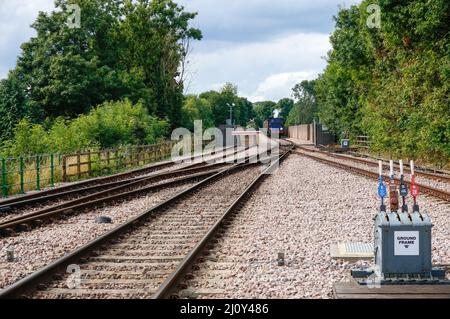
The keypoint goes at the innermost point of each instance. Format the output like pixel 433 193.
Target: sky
pixel 264 47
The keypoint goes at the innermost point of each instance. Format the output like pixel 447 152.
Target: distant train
pixel 275 124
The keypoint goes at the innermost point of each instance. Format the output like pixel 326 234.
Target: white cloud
pixel 261 70
pixel 15 20
pixel 239 20
pixel 260 45
pixel 278 86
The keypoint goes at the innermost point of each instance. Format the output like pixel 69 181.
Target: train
pixel 275 124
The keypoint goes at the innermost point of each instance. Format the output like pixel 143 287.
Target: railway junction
pixel 299 222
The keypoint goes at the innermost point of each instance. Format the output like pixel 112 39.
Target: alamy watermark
pixel 74 279
pixel 74 18
pixel 374 19
pixel 245 145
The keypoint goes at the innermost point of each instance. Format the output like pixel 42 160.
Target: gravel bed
pixel 199 211
pixel 211 158
pixel 301 210
pixel 419 179
pixel 39 247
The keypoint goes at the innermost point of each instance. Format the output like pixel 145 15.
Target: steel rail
pixel 25 222
pixel 94 181
pixel 369 162
pixel 19 288
pixel 168 287
pixel 438 193
pixel 108 187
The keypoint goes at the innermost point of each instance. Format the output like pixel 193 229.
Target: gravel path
pixel 301 211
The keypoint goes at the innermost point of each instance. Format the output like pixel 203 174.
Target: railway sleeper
pixel 7 232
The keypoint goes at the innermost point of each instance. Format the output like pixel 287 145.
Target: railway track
pixel 176 286
pixel 143 257
pixel 418 171
pixel 99 195
pixel 438 193
pixel 95 183
pixel 123 192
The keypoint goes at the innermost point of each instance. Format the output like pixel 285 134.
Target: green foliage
pixel 196 108
pixel 12 104
pixel 304 111
pixel 263 110
pixel 285 106
pixel 347 76
pixel 391 83
pixel 29 139
pixel 123 49
pixel 155 37
pixel 220 104
pixel 109 125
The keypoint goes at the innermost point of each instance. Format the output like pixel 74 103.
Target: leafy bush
pixel 196 108
pixel 108 125
pixel 29 139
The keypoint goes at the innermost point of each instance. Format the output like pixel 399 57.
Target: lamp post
pixel 231 112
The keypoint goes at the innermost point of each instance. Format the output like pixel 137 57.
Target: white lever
pixel 391 164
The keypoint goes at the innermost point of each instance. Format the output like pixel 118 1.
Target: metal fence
pixel 23 174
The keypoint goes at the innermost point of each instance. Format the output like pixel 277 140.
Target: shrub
pixel 109 125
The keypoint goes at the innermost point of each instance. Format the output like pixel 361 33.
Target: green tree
pixel 244 111
pixel 29 139
pixel 62 68
pixel 220 103
pixel 391 83
pixel 156 35
pixel 285 105
pixel 341 89
pixel 12 104
pixel 263 110
pixel 122 49
pixel 108 125
pixel 196 108
pixel 305 108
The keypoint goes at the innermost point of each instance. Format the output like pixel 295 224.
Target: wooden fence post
pixel 38 172
pixel 90 163
pixel 4 178
pixel 64 167
pixel 78 164
pixel 116 157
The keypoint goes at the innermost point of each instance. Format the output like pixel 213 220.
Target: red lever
pixel 414 188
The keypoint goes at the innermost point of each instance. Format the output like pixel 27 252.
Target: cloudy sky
pixel 264 47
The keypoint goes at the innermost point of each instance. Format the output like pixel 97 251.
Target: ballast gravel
pixel 38 247
pixel 43 245
pixel 426 181
pixel 301 211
